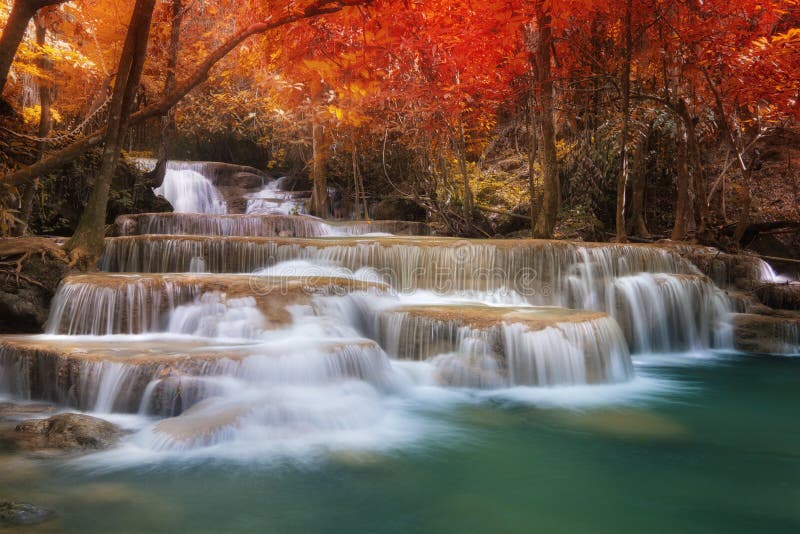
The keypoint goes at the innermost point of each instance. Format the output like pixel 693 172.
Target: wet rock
pixel 767 334
pixel 68 431
pixel 781 296
pixel 22 513
pixel 249 180
pixel 296 183
pixel 229 174
pixel 728 271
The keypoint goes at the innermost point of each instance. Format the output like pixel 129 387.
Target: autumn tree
pixel 17 24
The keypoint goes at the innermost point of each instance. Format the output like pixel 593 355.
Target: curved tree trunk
pixel 86 244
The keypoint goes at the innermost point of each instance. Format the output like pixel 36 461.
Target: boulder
pixel 67 432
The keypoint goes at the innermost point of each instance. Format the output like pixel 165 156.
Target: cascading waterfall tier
pixel 537 267
pixel 661 300
pixel 669 312
pixel 103 375
pixel 728 270
pixel 165 376
pixel 256 225
pixel 494 346
pixel 103 304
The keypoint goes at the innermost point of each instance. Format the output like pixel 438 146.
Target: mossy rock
pixel 23 513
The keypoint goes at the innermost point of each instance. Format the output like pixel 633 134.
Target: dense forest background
pixel 597 120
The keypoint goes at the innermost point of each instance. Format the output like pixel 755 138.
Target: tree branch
pixel 73 151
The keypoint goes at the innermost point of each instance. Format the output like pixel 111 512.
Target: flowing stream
pixel 283 370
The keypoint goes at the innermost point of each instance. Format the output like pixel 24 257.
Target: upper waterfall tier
pixel 206 186
pixel 190 192
pixel 256 225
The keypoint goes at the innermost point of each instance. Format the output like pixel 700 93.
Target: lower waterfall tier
pixel 495 346
pixel 164 376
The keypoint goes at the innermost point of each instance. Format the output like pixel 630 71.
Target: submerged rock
pixel 22 513
pixel 68 431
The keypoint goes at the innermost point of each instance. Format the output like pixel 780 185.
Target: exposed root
pixel 18 275
pixel 17 250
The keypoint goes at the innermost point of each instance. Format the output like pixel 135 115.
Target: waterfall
pixel 524 346
pixel 668 313
pixel 662 302
pixel 278 329
pixel 274 200
pixel 189 191
pixel 212 315
pixel 105 304
pixel 97 305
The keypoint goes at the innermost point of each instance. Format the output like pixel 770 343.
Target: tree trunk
pixel 533 150
pixel 17 24
pixel 319 194
pixel 683 205
pixel 622 179
pixel 168 120
pixel 356 187
pixel 699 180
pixel 462 167
pixel 637 225
pixel 543 88
pixel 86 244
pixel 45 123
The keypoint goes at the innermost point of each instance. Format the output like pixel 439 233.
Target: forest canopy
pixel 619 118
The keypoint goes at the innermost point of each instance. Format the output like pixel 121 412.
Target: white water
pixel 190 192
pixel 353 369
pixel 272 200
